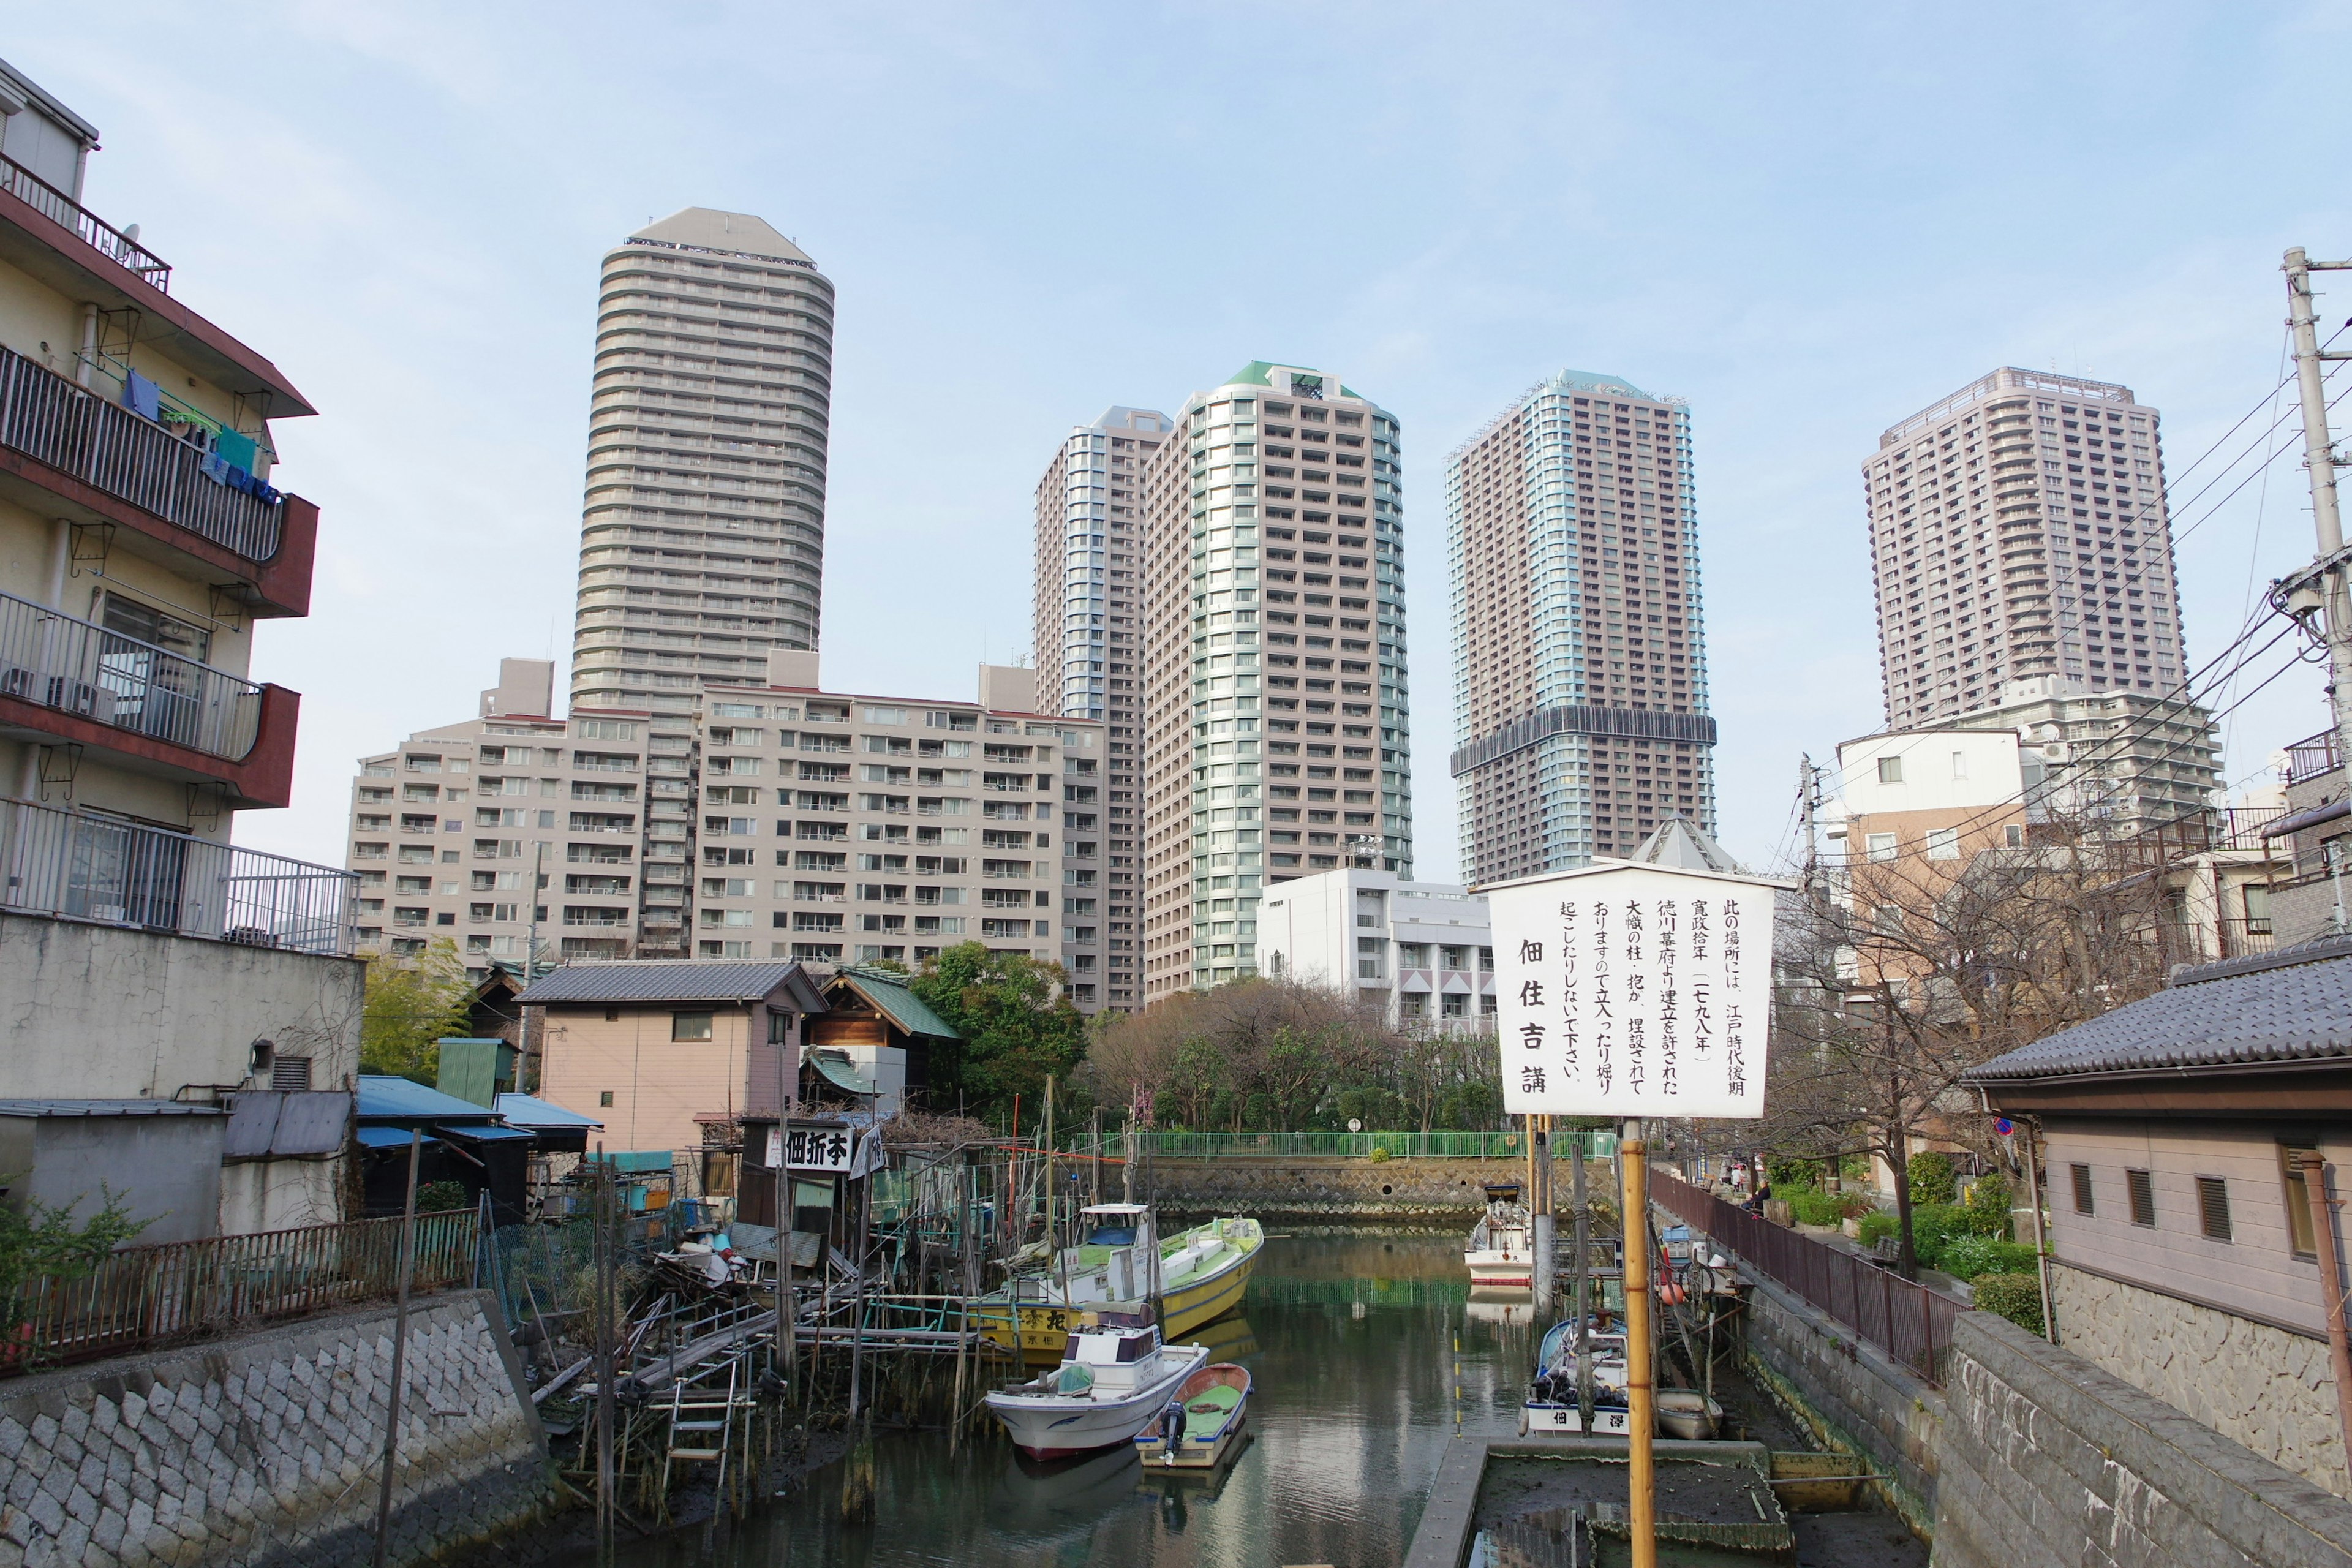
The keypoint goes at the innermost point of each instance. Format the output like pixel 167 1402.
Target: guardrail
pixel 144 1297
pixel 1599 1144
pixel 60 662
pixel 122 873
pixel 67 213
pixel 1910 1323
pixel 104 445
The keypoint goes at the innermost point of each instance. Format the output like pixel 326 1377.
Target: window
pixel 1890 770
pixel 605 1098
pixel 1882 846
pixel 1943 844
pixel 2300 1236
pixel 1960 765
pixel 2143 1197
pixel 779 1029
pixel 1454 1005
pixel 690 1026
pixel 2083 1204
pixel 2014 836
pixel 2213 1207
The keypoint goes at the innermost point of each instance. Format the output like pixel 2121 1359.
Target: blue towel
pixel 213 469
pixel 236 449
pixel 143 396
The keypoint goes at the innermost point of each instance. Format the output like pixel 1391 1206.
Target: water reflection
pixel 1351 1341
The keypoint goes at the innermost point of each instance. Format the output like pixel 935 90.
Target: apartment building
pixel 2126 759
pixel 521 837
pixel 1088 637
pixel 1421 951
pixel 145 541
pixel 1579 675
pixel 2019 528
pixel 842 828
pixel 1274 704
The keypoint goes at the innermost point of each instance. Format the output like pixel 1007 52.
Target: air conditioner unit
pixel 16 680
pixel 81 698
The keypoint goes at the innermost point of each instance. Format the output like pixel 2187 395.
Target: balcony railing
pixel 2309 759
pixel 53 659
pixel 104 445
pixel 121 873
pixel 66 213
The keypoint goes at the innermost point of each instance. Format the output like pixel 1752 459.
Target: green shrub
pixel 1931 1178
pixel 1379 1154
pixel 1989 1206
pixel 1876 1227
pixel 1969 1257
pixel 1933 1225
pixel 435 1196
pixel 2017 1297
pixel 1810 1207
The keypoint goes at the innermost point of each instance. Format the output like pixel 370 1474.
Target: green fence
pixel 1599 1144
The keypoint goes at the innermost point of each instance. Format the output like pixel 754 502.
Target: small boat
pixel 1552 1402
pixel 1201 1274
pixel 1114 1379
pixel 1689 1414
pixel 1202 1423
pixel 1501 1249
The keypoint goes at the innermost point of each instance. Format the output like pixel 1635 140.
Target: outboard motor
pixel 1171 1426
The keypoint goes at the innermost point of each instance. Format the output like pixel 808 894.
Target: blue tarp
pixel 530 1111
pixel 398 1099
pixel 389 1137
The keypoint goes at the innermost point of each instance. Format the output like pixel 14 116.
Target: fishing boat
pixel 1551 1401
pixel 1114 1380
pixel 1686 1413
pixel 1122 1265
pixel 1202 1423
pixel 1501 1249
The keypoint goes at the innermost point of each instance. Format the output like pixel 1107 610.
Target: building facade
pixel 157 972
pixel 1579 675
pixel 1421 951
pixel 1275 733
pixel 1087 638
pixel 2019 528
pixel 2126 760
pixel 838 829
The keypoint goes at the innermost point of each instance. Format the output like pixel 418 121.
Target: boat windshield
pixel 1111 1236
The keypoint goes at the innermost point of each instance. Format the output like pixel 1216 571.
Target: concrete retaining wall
pixel 2044 1457
pixel 1364 1190
pixel 1854 1399
pixel 264 1450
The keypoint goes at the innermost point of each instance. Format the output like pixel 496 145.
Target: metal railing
pixel 104 445
pixel 1910 1323
pixel 145 1297
pixel 74 667
pixel 105 869
pixel 1599 1144
pixel 2310 758
pixel 66 213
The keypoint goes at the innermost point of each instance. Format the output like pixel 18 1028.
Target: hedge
pixel 2017 1297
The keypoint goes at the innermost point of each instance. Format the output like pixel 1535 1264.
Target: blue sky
pixel 1807 220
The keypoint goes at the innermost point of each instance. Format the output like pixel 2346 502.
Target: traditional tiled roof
pixel 2294 1005
pixel 660 981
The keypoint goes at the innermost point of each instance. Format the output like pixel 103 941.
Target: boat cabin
pixel 1113 1224
pixel 1118 1348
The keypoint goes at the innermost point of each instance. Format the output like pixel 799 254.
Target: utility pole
pixel 2326 587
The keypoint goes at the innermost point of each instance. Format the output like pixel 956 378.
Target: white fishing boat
pixel 1686 1413
pixel 1502 1246
pixel 1114 1379
pixel 1552 1402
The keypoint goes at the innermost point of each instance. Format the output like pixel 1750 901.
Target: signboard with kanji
pixel 816 1148
pixel 1634 990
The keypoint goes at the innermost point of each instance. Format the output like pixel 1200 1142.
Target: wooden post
pixel 1583 1285
pixel 787 1308
pixel 2331 1291
pixel 1641 1414
pixel 399 1353
pixel 2041 1252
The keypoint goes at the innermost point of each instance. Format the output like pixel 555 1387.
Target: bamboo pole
pixel 1641 1414
pixel 399 1353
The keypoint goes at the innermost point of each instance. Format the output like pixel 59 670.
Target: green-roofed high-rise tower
pixel 1271 588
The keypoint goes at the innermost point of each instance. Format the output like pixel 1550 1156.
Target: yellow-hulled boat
pixel 1202 1274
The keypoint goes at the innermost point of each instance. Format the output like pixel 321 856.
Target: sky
pixel 1809 221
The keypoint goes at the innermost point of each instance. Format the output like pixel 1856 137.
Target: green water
pixel 1350 1341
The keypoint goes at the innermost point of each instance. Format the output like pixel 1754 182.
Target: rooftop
pixel 707 228
pixel 658 980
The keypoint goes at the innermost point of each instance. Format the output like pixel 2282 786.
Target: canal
pixel 1350 1339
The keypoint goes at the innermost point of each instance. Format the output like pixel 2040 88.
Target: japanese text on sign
pixel 815 1148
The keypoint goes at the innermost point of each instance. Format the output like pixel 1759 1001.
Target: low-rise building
pixel 1421 951
pixel 2186 1252
pixel 2312 835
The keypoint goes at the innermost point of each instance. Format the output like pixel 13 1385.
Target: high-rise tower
pixel 1580 675
pixel 1273 722
pixel 2018 529
pixel 702 541
pixel 1086 635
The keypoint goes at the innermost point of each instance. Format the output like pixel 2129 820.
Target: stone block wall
pixel 1340 1190
pixel 264 1450
pixel 1855 1399
pixel 2268 1388
pixel 2044 1457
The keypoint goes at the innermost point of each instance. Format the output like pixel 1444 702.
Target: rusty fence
pixel 144 1297
pixel 1910 1323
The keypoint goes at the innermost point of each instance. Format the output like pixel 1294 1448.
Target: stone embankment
pixel 266 1448
pixel 1334 1190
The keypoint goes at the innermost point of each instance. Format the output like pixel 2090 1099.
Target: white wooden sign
pixel 1630 990
pixel 815 1148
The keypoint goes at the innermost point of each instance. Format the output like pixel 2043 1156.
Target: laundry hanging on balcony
pixel 143 396
pixel 236 448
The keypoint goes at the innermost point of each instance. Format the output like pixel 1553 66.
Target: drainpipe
pixel 2041 1249
pixel 86 367
pixel 2331 1291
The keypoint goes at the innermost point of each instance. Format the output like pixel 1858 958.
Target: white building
pixel 1423 950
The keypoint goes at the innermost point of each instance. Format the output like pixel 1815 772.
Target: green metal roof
pixel 890 996
pixel 1260 373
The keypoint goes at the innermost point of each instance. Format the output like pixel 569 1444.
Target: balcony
pixel 74 866
pixel 152 710
pixel 2309 759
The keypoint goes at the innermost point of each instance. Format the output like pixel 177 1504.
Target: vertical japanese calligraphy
pixel 1628 990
